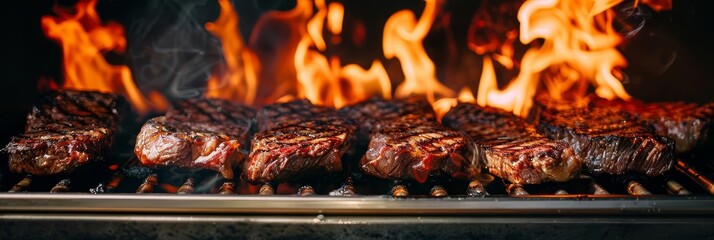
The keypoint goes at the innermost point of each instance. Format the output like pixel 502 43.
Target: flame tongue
pixel 403 36
pixel 325 81
pixel 578 46
pixel 84 38
pixel 238 81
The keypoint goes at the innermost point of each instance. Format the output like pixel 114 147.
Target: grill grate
pixel 684 179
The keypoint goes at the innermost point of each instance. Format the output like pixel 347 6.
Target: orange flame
pixel 657 5
pixel 335 14
pixel 325 81
pixel 238 81
pixel 578 46
pixel 280 83
pixel 84 38
pixel 403 36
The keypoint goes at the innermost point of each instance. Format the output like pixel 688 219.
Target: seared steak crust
pixel 609 140
pixel 290 113
pixel 65 129
pixel 511 148
pixel 370 113
pixel 297 139
pixel 687 123
pixel 197 133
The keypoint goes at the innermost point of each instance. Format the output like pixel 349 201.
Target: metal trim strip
pixel 357 205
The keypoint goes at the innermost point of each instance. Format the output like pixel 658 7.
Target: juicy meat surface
pixel 64 130
pixel 511 148
pixel 687 123
pixel 297 139
pixel 413 148
pixel 197 133
pixel 609 140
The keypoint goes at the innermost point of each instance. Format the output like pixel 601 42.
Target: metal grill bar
pixel 306 190
pixel 399 190
pixel 228 188
pixel 187 187
pixel 267 189
pixel 636 188
pixel 695 175
pixel 23 185
pixel 149 184
pixel 62 186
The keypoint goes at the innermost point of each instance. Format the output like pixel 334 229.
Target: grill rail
pixel 358 205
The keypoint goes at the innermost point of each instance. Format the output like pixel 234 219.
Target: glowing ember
pixel 84 38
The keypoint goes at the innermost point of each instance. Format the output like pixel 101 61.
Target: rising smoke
pixel 169 49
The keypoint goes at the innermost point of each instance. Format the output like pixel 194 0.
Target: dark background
pixel 686 32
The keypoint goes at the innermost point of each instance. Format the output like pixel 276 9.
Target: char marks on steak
pixel 65 130
pixel 609 140
pixel 687 123
pixel 370 113
pixel 406 142
pixel 297 139
pixel 290 113
pixel 511 148
pixel 197 133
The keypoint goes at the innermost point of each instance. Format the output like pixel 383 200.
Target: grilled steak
pixel 406 142
pixel 197 133
pixel 511 148
pixel 65 130
pixel 609 140
pixel 413 148
pixel 297 139
pixel 687 123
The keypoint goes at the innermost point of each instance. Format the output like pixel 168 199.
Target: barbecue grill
pixel 122 204
pixel 120 198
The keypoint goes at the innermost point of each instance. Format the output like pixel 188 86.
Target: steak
pixel 609 140
pixel 297 139
pixel 406 142
pixel 687 123
pixel 511 148
pixel 413 148
pixel 197 133
pixel 64 130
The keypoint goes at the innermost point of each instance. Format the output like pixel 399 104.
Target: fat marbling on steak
pixel 198 133
pixel 511 148
pixel 65 130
